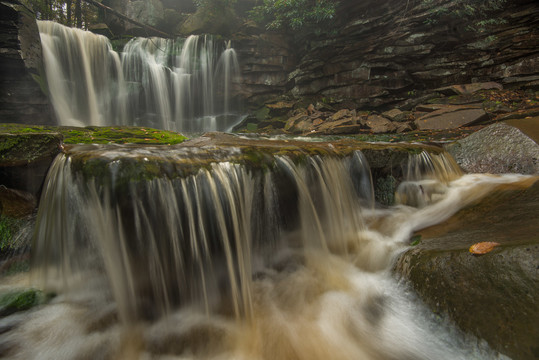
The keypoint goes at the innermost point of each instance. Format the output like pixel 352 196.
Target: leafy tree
pixel 68 12
pixel 295 15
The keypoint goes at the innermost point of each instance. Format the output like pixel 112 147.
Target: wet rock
pixel 451 118
pixel 16 203
pixel 494 295
pixel 497 149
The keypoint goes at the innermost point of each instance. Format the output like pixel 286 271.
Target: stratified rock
pixel 493 296
pixel 280 108
pixel 466 89
pixel 497 149
pixel 443 119
pixel 22 81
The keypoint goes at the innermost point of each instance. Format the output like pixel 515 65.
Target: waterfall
pixel 179 85
pixel 171 240
pixel 201 253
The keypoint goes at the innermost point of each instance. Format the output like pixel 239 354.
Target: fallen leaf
pixel 483 247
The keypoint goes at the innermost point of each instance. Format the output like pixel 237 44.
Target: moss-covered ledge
pixel 98 134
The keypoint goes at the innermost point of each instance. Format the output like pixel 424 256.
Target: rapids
pixel 226 261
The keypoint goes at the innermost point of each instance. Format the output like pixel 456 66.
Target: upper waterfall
pixel 179 85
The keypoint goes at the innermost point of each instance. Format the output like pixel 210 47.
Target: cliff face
pixel 22 99
pixel 388 53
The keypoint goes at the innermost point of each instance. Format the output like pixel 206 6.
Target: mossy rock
pixel 93 134
pixel 20 300
pixel 494 296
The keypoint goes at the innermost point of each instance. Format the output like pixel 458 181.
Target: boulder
pixel 493 296
pixel 497 149
pixel 379 124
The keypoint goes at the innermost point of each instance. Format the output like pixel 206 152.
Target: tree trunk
pixel 69 15
pixel 78 13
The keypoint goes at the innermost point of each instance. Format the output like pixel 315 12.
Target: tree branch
pixel 123 17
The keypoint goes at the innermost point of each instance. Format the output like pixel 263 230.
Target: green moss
pixel 8 228
pixel 99 135
pixel 384 190
pixel 20 301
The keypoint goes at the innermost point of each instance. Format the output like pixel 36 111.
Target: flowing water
pixel 230 261
pixel 181 85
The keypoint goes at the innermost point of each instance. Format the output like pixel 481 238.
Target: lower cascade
pixel 180 85
pixel 193 254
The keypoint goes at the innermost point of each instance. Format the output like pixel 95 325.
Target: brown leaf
pixel 483 247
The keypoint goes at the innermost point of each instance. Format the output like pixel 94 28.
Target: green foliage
pixel 478 12
pixel 216 4
pixel 313 15
pixel 67 12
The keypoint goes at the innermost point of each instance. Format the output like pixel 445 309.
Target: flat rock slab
pixel 494 296
pixel 458 117
pixel 498 149
pixel 466 89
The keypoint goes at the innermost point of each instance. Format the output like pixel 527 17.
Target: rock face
pixel 22 98
pixel 494 296
pixel 387 55
pixel 497 149
pixel 25 159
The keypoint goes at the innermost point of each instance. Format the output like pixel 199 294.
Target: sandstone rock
pixel 280 108
pixel 492 296
pixel 293 121
pixel 379 124
pixel 468 88
pixel 445 119
pixel 328 126
pixel 403 127
pixel 497 149
pixel 341 114
pixel 395 115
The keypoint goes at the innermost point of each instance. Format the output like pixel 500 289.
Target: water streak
pixel 180 85
pixel 233 262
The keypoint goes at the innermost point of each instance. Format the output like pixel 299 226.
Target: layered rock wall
pixel 22 83
pixel 391 53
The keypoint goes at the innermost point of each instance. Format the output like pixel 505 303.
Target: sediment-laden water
pixel 231 261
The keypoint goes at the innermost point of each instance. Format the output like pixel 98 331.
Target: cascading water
pixel 181 254
pixel 180 85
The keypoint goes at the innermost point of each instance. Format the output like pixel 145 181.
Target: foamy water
pixel 326 291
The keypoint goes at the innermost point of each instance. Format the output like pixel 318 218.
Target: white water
pixel 229 263
pixel 180 85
